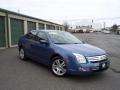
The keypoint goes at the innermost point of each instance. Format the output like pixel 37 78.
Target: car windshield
pixel 59 37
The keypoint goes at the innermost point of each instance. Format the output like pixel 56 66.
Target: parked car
pixel 62 52
pixel 106 31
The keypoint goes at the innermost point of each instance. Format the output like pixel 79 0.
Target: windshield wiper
pixel 77 43
pixel 60 43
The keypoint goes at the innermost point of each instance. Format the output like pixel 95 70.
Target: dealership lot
pixel 28 75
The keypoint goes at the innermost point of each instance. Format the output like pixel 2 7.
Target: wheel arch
pixel 20 47
pixel 55 55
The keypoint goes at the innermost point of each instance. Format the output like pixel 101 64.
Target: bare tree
pixel 66 25
pixel 114 28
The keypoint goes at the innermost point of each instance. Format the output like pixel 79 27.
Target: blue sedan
pixel 62 52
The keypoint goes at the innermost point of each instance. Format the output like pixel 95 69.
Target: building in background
pixel 13 25
pixel 85 26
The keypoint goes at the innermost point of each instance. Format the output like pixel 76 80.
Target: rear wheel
pixel 22 54
pixel 58 67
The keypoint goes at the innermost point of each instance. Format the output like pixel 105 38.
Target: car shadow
pixel 37 63
pixel 73 78
pixel 87 78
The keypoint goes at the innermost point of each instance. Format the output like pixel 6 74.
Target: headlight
pixel 80 58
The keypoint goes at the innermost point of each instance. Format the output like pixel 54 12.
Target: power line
pixel 98 19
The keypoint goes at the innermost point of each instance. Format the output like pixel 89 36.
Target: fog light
pixel 82 69
pixel 95 68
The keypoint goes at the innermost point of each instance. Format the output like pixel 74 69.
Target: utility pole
pixel 104 25
pixel 92 23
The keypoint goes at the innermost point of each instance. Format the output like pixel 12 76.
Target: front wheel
pixel 58 67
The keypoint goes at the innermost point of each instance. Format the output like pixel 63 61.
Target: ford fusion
pixel 62 52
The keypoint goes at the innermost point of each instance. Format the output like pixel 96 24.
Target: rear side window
pixel 34 32
pixel 31 35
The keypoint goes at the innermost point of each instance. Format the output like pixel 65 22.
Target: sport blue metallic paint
pixel 43 52
pixel 84 49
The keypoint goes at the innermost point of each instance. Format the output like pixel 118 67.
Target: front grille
pixel 97 58
pixel 98 61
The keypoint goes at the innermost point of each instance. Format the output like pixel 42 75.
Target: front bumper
pixel 90 68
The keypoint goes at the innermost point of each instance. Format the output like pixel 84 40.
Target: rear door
pixel 29 39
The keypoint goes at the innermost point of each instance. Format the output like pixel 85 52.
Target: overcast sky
pixel 62 10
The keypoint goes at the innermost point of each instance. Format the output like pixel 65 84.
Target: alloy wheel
pixel 21 54
pixel 59 67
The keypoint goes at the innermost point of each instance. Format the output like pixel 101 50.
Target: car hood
pixel 84 49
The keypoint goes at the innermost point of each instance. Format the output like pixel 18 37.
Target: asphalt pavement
pixel 28 75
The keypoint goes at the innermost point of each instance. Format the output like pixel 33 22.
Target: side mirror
pixel 44 42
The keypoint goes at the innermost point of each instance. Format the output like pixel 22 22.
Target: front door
pixel 41 50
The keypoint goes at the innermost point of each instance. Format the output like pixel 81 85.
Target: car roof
pixel 46 31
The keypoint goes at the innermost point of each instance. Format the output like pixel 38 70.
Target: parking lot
pixel 28 75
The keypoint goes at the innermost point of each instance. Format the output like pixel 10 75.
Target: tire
pixel 58 67
pixel 22 55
